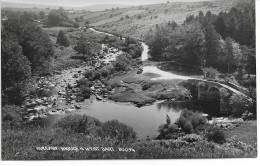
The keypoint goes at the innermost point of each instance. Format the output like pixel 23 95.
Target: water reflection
pixel 144 120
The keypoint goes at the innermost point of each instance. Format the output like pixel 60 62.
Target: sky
pixel 79 3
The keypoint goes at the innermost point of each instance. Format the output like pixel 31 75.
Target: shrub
pixel 62 39
pixel 81 124
pixel 139 17
pixel 96 75
pixel 119 131
pixel 104 72
pixel 11 116
pixel 88 73
pixel 122 63
pixel 85 82
pixel 239 105
pixel 210 72
pixel 15 95
pixel 86 91
pixel 75 25
pixel 215 134
pixel 187 127
pixel 191 138
pixel 191 122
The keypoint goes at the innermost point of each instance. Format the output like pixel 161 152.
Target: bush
pixel 191 122
pixel 210 72
pixel 11 116
pixel 75 25
pixel 96 75
pixel 119 131
pixel 88 73
pixel 239 105
pixel 81 124
pixel 104 72
pixel 62 39
pixel 122 63
pixel 85 82
pixel 85 91
pixel 215 134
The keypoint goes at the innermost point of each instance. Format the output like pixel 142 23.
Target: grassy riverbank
pixel 100 141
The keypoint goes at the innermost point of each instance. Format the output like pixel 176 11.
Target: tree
pixel 15 66
pixel 122 63
pixel 37 47
pixel 87 23
pixel 56 17
pixel 239 105
pixel 42 14
pixel 83 46
pixel 62 39
pixel 212 45
pixel 15 69
pixel 232 53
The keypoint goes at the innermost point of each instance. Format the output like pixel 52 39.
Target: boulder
pixel 77 106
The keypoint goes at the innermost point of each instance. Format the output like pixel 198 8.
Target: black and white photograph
pixel 128 79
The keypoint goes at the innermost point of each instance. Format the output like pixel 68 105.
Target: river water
pixel 145 120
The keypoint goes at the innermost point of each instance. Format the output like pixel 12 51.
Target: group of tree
pixel 224 41
pixel 57 17
pixel 26 50
pixel 129 45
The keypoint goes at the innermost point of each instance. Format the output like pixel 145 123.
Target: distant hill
pixel 25 5
pixel 93 8
pixel 102 7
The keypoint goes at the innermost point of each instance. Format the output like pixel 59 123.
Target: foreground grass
pixel 21 145
pixel 83 137
pixel 246 132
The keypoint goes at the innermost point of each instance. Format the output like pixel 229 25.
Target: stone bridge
pixel 210 91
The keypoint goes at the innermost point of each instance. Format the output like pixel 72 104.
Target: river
pixel 145 120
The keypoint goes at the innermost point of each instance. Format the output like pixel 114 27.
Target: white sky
pixel 77 3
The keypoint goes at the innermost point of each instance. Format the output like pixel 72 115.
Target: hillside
pixel 143 18
pixel 93 8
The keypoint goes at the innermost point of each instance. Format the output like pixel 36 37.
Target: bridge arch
pixel 213 89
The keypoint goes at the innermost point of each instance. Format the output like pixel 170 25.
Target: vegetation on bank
pixel 28 141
